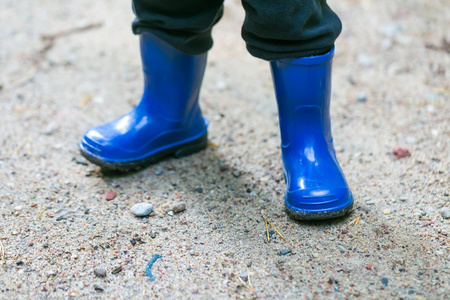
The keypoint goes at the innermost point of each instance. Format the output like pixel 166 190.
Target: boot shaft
pixel 303 84
pixel 171 75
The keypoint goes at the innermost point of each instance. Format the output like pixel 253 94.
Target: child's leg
pixel 184 24
pixel 289 28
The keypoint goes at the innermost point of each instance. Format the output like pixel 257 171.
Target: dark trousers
pixel 272 30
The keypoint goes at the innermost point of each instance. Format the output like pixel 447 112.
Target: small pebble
pixel 387 211
pixel 110 195
pixel 370 203
pixel 364 60
pixel 98 288
pixel 403 199
pixel 244 276
pixel 236 173
pixel 81 161
pixel 285 251
pixel 401 152
pixel 445 213
pixel 385 281
pixel 142 209
pixel 100 272
pixel 361 97
pixel 179 207
pixel 198 190
pixel 117 270
pixel 158 172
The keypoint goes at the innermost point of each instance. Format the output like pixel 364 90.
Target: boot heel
pixel 192 147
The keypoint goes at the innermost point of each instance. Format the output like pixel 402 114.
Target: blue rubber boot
pixel 167 121
pixel 316 187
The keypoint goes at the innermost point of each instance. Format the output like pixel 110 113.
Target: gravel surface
pixel 67 230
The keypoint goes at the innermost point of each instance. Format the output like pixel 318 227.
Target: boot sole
pixel 311 216
pixel 133 165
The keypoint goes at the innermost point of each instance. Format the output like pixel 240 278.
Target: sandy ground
pixel 391 88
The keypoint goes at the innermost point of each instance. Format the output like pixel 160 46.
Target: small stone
pixel 221 85
pixel 51 273
pixel 158 172
pixel 403 199
pixel 387 211
pixel 89 172
pixel 244 276
pixel 390 29
pixel 370 202
pixel 236 173
pixel 198 190
pixel 445 213
pixel 19 263
pixel 364 60
pixel 60 218
pixel 110 195
pixel 100 272
pixel 385 281
pixel 81 161
pixel 170 213
pixel 117 270
pixel 401 152
pixel 142 209
pixel 179 207
pixel 98 288
pixel 361 97
pixel 285 251
pixel 153 235
pixel 386 44
pixel 51 128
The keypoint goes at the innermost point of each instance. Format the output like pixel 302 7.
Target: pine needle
pixel 2 253
pixel 355 221
pixel 267 230
pixel 40 213
pixel 249 280
pixel 243 282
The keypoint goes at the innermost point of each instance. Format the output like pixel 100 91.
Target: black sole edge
pixel 177 151
pixel 308 216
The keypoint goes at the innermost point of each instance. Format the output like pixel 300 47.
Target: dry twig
pixel 355 221
pixel 246 285
pixel 2 253
pixel 40 213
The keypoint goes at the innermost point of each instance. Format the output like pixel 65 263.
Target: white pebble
pixel 445 213
pixel 142 209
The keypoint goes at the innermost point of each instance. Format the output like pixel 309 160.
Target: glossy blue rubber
pixel 316 188
pixel 167 121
